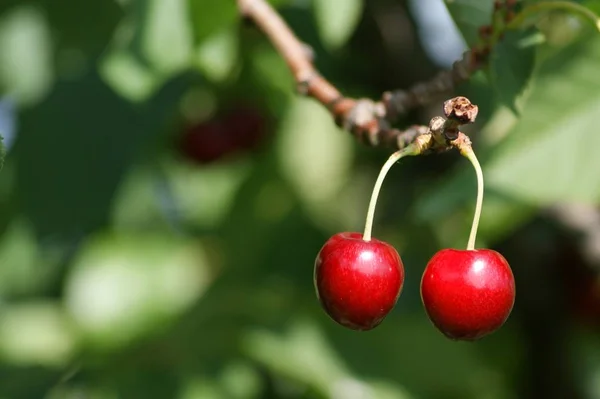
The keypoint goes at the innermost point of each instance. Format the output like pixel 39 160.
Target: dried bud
pixel 461 110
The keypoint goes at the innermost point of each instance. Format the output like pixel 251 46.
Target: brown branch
pixel 369 121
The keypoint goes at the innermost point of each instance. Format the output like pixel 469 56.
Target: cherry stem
pixel 395 157
pixel 468 153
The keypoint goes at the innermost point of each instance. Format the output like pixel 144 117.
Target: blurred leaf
pixel 450 203
pixel 201 388
pixel 303 355
pixel 273 74
pixel 79 391
pixel 206 195
pixel 241 381
pixel 337 20
pixel 210 16
pixel 167 35
pixel 71 155
pixel 26 59
pixel 82 27
pixel 123 287
pixel 201 197
pixel 21 271
pixel 128 77
pixel 593 5
pixel 36 334
pixel 409 350
pixel 217 56
pixel 550 154
pixel 316 157
pixel 511 68
pixel 469 15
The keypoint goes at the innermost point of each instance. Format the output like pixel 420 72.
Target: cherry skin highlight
pixel 468 294
pixel 358 282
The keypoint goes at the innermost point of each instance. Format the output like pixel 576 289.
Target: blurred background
pixel 165 193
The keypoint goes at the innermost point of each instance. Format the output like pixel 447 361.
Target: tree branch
pixel 369 121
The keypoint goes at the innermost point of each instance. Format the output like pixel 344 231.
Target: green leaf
pixel 26 64
pixel 451 203
pixel 36 333
pixel 307 131
pixel 469 15
pixel 124 286
pixel 551 154
pixel 511 68
pixel 81 28
pixel 593 5
pixel 70 155
pixel 128 77
pixel 337 20
pixel 167 40
pixel 217 56
pixel 210 16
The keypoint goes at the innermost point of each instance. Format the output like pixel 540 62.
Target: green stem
pixel 395 157
pixel 470 155
pixel 573 8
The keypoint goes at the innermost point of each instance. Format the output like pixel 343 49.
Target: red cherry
pixel 236 131
pixel 358 282
pixel 206 143
pixel 247 125
pixel 468 294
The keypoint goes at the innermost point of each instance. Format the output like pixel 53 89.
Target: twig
pixel 368 120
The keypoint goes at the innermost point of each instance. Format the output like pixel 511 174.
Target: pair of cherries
pixel 467 294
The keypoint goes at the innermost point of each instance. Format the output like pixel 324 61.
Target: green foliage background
pixel 127 271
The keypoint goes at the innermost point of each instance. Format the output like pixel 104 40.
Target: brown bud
pixel 461 110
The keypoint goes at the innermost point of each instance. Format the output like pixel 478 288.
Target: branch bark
pixel 369 121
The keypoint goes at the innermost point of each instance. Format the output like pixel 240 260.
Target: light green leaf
pixel 552 152
pixel 123 287
pixel 303 354
pixel 128 77
pixel 511 68
pixel 308 132
pixel 36 334
pixel 217 55
pixel 26 64
pixel 168 35
pixel 469 15
pixel 337 19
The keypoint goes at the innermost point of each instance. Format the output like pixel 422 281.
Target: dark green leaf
pixel 71 153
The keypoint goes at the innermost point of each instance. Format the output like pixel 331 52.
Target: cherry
pixel 358 282
pixel 206 143
pixel 468 294
pixel 358 279
pixel 239 129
